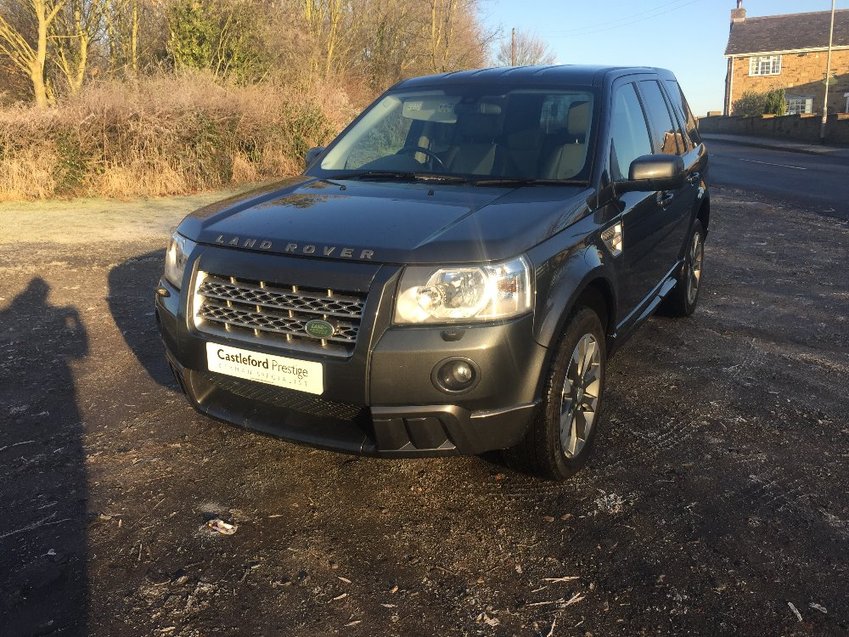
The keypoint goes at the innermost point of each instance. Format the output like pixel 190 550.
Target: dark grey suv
pixel 451 274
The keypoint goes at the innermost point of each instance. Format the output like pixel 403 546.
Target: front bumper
pixel 380 400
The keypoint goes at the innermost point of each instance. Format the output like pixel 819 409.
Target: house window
pixel 765 65
pixel 797 104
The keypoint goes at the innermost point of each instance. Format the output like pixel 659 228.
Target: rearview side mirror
pixel 312 155
pixel 654 172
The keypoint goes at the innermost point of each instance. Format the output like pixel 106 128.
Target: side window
pixel 629 137
pixel 663 130
pixel 685 144
pixel 680 103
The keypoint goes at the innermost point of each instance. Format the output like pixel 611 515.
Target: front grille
pixel 287 398
pixel 276 314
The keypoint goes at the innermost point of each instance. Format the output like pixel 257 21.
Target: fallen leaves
pixel 795 611
pixel 483 618
pixel 217 525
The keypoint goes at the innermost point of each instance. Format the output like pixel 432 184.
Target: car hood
pixel 388 222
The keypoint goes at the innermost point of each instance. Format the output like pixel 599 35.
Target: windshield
pixel 521 134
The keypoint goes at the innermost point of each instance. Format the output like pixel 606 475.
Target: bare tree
pixel 326 25
pixel 443 14
pixel 366 45
pixel 334 18
pixel 135 34
pixel 453 36
pixel 387 36
pixel 78 25
pixel 27 51
pixel 524 48
pixel 122 25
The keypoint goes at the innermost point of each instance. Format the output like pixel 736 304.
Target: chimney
pixel 738 15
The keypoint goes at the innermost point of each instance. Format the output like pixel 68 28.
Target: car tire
pixel 684 297
pixel 559 440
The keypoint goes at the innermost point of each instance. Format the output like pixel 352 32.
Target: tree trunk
pixel 134 40
pixel 82 63
pixel 39 87
pixel 76 76
pixel 335 12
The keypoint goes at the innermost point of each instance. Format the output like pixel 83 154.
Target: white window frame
pixel 806 102
pixel 765 65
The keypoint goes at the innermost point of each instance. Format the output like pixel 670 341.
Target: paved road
pixel 816 182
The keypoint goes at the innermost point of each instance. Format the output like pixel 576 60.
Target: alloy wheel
pixel 580 396
pixel 695 260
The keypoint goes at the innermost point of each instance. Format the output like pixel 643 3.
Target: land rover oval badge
pixel 319 328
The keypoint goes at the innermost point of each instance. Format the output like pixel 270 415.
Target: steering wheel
pixel 412 150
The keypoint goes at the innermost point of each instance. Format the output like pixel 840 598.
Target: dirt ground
pixel 717 501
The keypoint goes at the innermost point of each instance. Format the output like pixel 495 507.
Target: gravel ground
pixel 717 501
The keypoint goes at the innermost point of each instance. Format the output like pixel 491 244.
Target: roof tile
pixel 790 32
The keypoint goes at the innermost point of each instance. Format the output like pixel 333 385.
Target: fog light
pixel 455 375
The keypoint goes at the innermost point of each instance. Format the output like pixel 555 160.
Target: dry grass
pixel 163 135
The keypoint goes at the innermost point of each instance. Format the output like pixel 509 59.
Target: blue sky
pixel 686 36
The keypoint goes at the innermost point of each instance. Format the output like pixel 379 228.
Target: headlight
pixel 176 258
pixel 464 293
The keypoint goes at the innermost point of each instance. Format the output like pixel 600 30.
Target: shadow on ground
pixel 44 490
pixel 131 289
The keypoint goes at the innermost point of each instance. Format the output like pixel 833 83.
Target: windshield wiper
pixel 394 175
pixel 526 181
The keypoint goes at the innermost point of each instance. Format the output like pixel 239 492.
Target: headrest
pixel 578 119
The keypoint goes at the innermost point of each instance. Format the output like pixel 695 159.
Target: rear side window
pixel 680 103
pixel 628 133
pixel 663 130
pixel 682 140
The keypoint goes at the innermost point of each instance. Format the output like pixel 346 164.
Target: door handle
pixel 664 198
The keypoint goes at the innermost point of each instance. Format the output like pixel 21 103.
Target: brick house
pixel 789 52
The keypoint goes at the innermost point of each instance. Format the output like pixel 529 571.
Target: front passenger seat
pixel 569 152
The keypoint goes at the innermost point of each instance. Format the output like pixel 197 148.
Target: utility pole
pixel 513 47
pixel 827 75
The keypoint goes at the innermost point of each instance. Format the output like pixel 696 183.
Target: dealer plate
pixel 291 373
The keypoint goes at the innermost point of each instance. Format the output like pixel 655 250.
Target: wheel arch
pixel 594 289
pixel 597 295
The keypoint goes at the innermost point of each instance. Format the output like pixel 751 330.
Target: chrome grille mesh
pixel 271 313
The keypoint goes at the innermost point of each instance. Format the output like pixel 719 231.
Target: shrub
pixel 775 102
pixel 753 104
pixel 750 104
pixel 163 135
